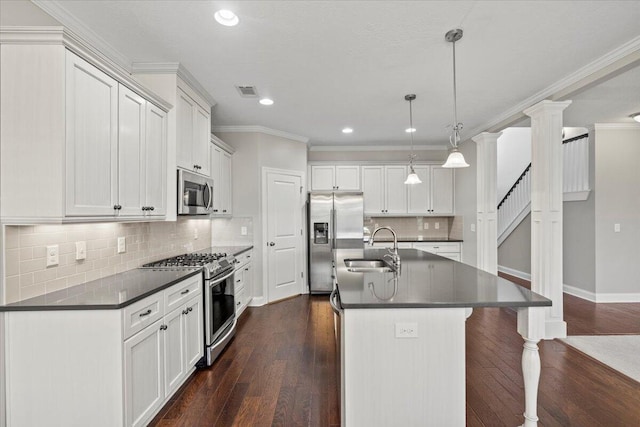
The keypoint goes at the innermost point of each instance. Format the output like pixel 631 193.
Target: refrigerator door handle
pixel 333 228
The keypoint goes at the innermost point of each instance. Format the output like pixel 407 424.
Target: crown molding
pixel 220 143
pixel 53 8
pixel 173 68
pixel 613 126
pixel 620 59
pixel 260 129
pixel 378 148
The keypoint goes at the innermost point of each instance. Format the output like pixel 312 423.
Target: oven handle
pixel 218 280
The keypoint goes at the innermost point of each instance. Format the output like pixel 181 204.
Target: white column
pixel 546 210
pixel 487 202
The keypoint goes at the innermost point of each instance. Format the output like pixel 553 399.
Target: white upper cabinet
pixel 193 130
pixel 434 196
pixel 221 172
pixel 418 195
pixel 338 177
pixel 384 190
pixel 92 139
pixel 81 141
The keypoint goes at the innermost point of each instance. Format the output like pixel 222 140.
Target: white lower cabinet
pixel 449 250
pixel 102 367
pixel 243 282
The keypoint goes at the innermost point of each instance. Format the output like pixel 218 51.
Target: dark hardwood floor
pixel 280 370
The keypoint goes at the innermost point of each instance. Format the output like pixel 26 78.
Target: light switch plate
pixel 52 255
pixel 616 228
pixel 473 227
pixel 121 245
pixel 81 250
pixel 243 231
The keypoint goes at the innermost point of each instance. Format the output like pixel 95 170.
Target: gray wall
pixel 255 150
pixel 466 202
pixel 515 251
pixel 617 201
pixel 24 13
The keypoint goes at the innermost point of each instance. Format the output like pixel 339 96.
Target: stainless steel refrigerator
pixel 336 219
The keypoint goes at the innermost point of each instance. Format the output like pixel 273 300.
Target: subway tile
pixel 12 289
pixel 92 275
pixel 97 244
pixel 26 229
pixel 108 252
pixel 32 291
pixel 26 254
pixel 39 252
pixel 84 266
pixel 76 279
pixel 12 237
pixel 68 248
pixel 32 240
pixel 32 265
pixel 55 238
pixel 115 260
pixel 12 262
pixel 67 270
pixel 45 275
pixel 56 285
pixel 26 280
pixel 101 263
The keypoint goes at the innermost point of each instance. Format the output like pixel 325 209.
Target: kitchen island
pixel 402 336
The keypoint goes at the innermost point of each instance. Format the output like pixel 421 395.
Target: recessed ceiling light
pixel 410 130
pixel 636 117
pixel 226 18
pixel 266 101
pixel 347 130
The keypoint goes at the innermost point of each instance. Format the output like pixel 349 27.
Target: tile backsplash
pixel 417 227
pixel 26 273
pixel 229 231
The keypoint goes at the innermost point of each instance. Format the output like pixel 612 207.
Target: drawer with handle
pixel 141 314
pixel 177 295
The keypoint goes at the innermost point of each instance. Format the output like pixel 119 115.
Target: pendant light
pixel 412 178
pixel 455 159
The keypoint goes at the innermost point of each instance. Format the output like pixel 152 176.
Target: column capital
pixel 487 137
pixel 546 106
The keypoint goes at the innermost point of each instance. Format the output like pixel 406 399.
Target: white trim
pixel 514 224
pixel 173 68
pixel 606 126
pixel 265 237
pixel 260 129
pixel 575 196
pixel 514 272
pixel 575 81
pixel 257 302
pixel 580 293
pixel 220 143
pixel 621 297
pixel 378 148
pixel 53 8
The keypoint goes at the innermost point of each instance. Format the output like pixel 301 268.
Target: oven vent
pixel 247 91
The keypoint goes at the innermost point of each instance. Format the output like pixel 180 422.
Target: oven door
pixel 195 194
pixel 219 306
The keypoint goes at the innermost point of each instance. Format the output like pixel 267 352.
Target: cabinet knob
pixel 189 309
pixel 215 210
pixel 224 210
pixel 117 207
pixel 151 208
pixel 163 327
pixel 185 312
pixel 272 243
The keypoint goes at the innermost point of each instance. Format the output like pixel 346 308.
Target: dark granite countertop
pixel 415 239
pixel 426 281
pixel 233 250
pixel 112 292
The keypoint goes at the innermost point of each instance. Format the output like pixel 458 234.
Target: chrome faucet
pixel 395 258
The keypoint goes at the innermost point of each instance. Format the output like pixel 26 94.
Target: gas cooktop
pixel 213 264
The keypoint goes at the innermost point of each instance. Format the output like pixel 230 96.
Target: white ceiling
pixel 330 64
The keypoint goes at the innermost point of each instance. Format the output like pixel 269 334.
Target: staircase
pixel 516 204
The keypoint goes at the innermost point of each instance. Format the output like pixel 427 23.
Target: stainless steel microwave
pixel 195 194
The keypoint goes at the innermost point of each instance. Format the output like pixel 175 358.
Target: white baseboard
pixel 514 272
pixel 257 302
pixel 580 293
pixel 622 297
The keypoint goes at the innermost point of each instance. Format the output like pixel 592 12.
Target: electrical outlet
pixel 407 330
pixel 52 255
pixel 473 227
pixel 81 250
pixel 195 233
pixel 616 228
pixel 437 225
pixel 243 231
pixel 122 246
pixel 426 225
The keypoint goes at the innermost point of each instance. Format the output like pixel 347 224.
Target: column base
pixel 555 329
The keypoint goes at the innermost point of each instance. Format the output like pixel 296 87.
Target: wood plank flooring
pixel 280 370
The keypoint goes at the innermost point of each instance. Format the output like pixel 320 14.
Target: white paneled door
pixel 284 235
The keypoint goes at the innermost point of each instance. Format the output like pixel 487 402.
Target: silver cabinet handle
pixel 146 313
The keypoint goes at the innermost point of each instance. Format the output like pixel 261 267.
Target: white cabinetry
pixel 449 250
pixel 434 196
pixel 243 281
pixel 338 177
pixel 221 172
pixel 104 367
pixel 78 139
pixel 384 189
pixel 193 130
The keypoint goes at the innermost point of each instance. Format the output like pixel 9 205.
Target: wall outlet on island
pixel 243 231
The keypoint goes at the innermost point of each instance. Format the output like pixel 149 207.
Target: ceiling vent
pixel 247 91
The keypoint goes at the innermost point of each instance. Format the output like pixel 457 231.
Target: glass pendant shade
pixel 413 177
pixel 455 160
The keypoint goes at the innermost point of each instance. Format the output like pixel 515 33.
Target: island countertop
pixel 426 280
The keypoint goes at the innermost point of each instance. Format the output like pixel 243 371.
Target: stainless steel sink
pixel 368 266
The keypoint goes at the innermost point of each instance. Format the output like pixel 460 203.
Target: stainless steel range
pixel 219 303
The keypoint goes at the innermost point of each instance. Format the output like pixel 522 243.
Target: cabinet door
pixel 225 183
pixel 348 178
pixel 91 139
pixel 174 365
pixel 201 144
pixel 396 189
pixel 418 195
pixel 373 189
pixel 144 374
pixel 442 191
pixel 216 165
pixel 247 275
pixel 185 113
pixel 193 333
pixel 156 161
pixel 322 178
pixel 132 110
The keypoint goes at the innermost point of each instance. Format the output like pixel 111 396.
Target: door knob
pixel 272 243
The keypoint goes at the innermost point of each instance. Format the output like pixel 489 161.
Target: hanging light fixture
pixel 412 178
pixel 455 159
